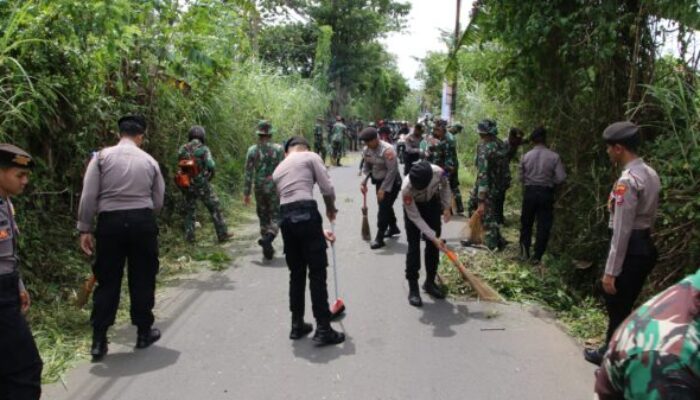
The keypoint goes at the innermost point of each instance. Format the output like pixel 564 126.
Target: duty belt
pixel 298 205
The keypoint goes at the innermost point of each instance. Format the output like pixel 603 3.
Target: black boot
pixel 147 337
pixel 432 289
pixel 266 243
pixel 378 242
pixel 300 329
pixel 98 350
pixel 414 294
pixel 595 356
pixel 391 231
pixel 326 335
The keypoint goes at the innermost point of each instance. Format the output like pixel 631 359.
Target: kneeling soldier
pixel 304 238
pixel 426 194
pixel 20 364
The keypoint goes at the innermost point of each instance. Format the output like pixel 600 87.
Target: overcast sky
pixel 426 20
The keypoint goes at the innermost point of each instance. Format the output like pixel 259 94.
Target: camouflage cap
pixel 487 127
pixel 264 128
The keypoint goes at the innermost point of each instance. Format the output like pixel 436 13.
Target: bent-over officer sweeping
pixel 426 195
pixel 633 203
pixel 124 187
pixel 382 166
pixel 20 363
pixel 304 238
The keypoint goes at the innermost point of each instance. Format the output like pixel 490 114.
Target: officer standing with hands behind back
pixel 633 203
pixel 382 165
pixel 20 364
pixel 124 187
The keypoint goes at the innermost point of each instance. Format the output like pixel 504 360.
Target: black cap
pixel 368 134
pixel 539 134
pixel 620 132
pixel 420 175
pixel 13 156
pixel 132 124
pixel 295 141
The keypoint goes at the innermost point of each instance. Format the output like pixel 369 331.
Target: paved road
pixel 225 337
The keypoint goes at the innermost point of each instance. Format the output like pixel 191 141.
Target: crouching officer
pixel 426 194
pixel 381 164
pixel 20 364
pixel 304 238
pixel 124 187
pixel 633 203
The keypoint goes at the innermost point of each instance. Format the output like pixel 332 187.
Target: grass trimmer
pixel 338 307
pixel 482 289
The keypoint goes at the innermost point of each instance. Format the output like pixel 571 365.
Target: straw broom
pixel 85 291
pixel 482 289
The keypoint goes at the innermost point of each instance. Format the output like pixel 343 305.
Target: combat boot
pixel 147 337
pixel 432 289
pixel 299 329
pixel 225 237
pixel 391 231
pixel 378 241
pixel 325 335
pixel 98 350
pixel 266 243
pixel 414 294
pixel 595 356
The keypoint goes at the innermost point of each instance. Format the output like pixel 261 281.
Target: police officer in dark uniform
pixel 124 187
pixel 633 202
pixel 382 165
pixel 20 364
pixel 304 238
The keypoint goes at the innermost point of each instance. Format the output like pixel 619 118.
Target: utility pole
pixel 453 106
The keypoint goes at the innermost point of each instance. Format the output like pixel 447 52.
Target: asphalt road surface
pixel 225 335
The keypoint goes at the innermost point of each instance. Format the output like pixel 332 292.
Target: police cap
pixel 295 141
pixel 132 124
pixel 13 156
pixel 620 132
pixel 368 134
pixel 420 175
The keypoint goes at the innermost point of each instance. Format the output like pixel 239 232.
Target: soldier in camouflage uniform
pixel 655 353
pixel 319 146
pixel 261 161
pixel 442 151
pixel 454 175
pixel 200 188
pixel 337 140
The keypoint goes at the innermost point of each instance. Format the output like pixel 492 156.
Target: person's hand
pixel 446 215
pixel 609 284
pixel 331 214
pixel 363 188
pixel 329 235
pixel 481 209
pixel 87 243
pixel 440 245
pixel 380 194
pixel 246 200
pixel 24 301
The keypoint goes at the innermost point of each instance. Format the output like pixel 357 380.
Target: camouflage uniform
pixel 487 190
pixel 319 146
pixel 454 174
pixel 338 140
pixel 261 161
pixel 200 188
pixel 443 153
pixel 503 179
pixel 655 353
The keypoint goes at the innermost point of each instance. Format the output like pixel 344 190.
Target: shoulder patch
pixel 619 193
pixel 407 199
pixel 390 155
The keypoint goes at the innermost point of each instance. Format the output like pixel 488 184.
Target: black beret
pixel 132 119
pixel 368 134
pixel 620 131
pixel 295 141
pixel 13 156
pixel 420 175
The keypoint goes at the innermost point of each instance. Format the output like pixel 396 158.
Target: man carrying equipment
pixel 633 203
pixel 304 238
pixel 20 363
pixel 196 162
pixel 382 165
pixel 261 161
pixel 124 187
pixel 426 194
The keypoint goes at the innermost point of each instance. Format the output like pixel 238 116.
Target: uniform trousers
pixel 639 261
pixel 386 216
pixel 408 160
pixel 430 212
pixel 305 252
pixel 125 236
pixel 538 205
pixel 20 364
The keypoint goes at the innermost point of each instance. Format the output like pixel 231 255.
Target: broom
pixel 473 230
pixel 85 291
pixel 366 235
pixel 483 290
pixel 338 307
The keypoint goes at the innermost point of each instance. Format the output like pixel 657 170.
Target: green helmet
pixel 488 127
pixel 264 128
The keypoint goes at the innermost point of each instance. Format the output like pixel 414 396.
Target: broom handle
pixel 364 200
pixel 335 269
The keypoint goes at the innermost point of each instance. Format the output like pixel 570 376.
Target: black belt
pixel 299 205
pixel 145 211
